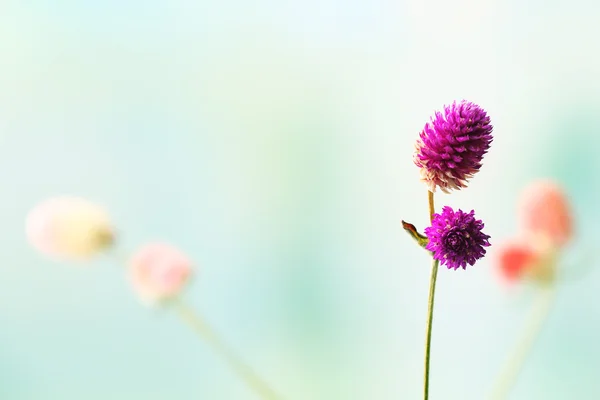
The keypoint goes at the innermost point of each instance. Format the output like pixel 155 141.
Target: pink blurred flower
pixel 546 224
pixel 531 257
pixel 545 210
pixel 69 228
pixel 514 258
pixel 158 271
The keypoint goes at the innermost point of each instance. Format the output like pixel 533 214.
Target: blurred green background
pixel 272 141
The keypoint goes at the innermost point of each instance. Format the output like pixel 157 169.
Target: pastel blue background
pixel 273 141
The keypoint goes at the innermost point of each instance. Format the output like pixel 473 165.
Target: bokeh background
pixel 273 141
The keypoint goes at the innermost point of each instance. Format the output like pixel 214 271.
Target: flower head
pixel 515 259
pixel 69 228
pixel 159 271
pixel 451 146
pixel 545 210
pixel 532 258
pixel 546 223
pixel 456 239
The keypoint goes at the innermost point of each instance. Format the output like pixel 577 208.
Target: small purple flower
pixel 450 147
pixel 455 238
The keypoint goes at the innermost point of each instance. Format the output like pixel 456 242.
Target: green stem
pixel 432 281
pixel 244 372
pixel 434 269
pixel 509 374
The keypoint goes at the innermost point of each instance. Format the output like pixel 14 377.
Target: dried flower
pixel 451 146
pixel 158 272
pixel 456 239
pixel 69 228
pixel 545 210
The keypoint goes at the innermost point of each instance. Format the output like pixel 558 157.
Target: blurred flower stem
pixel 534 324
pixel 244 372
pixel 432 281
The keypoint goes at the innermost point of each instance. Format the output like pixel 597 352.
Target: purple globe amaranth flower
pixel 456 239
pixel 451 146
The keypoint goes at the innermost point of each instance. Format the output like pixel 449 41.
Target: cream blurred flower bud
pixel 545 210
pixel 69 228
pixel 158 272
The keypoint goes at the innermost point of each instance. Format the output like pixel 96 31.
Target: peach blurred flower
pixel 158 272
pixel 544 209
pixel 69 228
pixel 546 224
